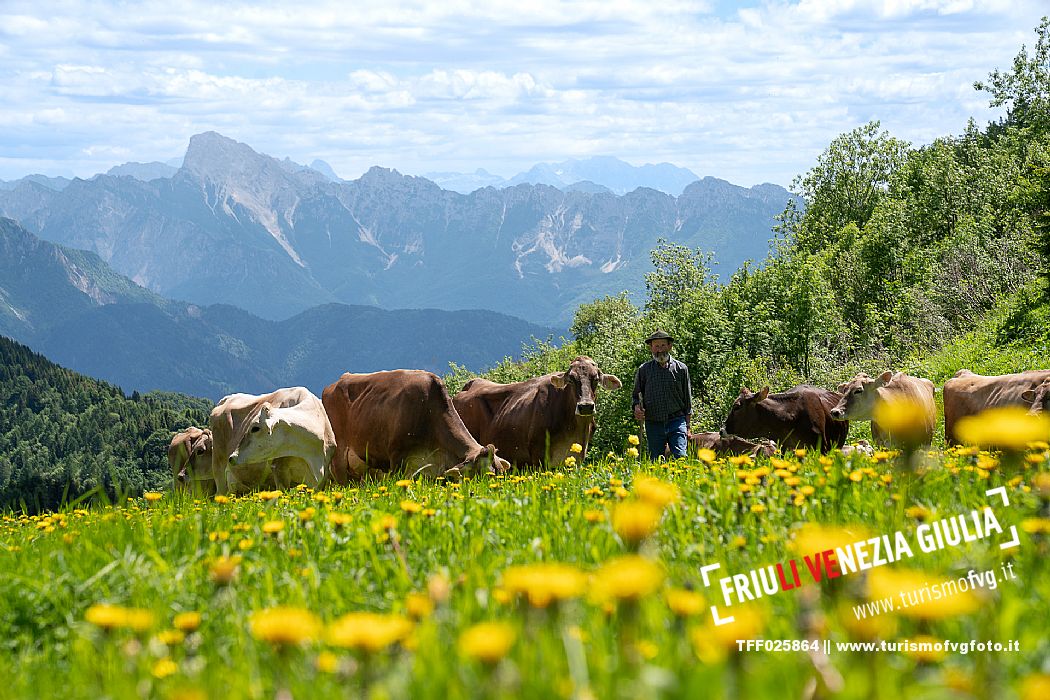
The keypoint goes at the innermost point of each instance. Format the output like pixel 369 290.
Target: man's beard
pixel 662 357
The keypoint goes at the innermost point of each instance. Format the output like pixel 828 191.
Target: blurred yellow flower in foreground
pixel 632 452
pixel 368 631
pixel 487 642
pixel 418 605
pixel 411 506
pixel 917 587
pixel 903 418
pixel 544 583
pixel 1036 526
pixel 152 496
pixel 284 625
pixel 656 492
pixel 273 527
pixel 110 617
pixel 164 668
pixel 706 455
pixel 1036 687
pixel 813 537
pixel 634 521
pixel 224 569
pixel 1008 428
pixel 633 439
pixel 713 642
pixel 187 621
pixel 629 578
pixel 685 603
pixel 930 655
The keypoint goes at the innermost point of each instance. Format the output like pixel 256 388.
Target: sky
pixel 750 92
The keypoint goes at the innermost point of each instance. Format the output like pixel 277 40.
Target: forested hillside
pixel 63 435
pixel 889 256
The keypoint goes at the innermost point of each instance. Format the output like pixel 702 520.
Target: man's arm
pixel 688 399
pixel 636 395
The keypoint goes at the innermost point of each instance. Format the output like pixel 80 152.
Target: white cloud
pixel 750 95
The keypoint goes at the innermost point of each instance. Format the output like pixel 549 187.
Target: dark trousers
pixel 671 432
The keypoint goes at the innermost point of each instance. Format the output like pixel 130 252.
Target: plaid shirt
pixel 664 392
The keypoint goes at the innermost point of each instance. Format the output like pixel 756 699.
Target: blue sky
pixel 750 92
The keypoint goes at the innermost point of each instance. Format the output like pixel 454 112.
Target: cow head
pixel 253 437
pixel 1038 399
pixel 583 378
pixel 744 410
pixel 859 396
pixel 195 472
pixel 483 461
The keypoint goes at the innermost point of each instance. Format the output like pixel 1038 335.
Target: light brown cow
pixel 402 421
pixel 862 396
pixel 1038 397
pixel 536 422
pixel 189 456
pixel 968 394
pixel 278 439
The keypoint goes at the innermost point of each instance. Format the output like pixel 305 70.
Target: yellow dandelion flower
pixel 411 507
pixel 920 513
pixel 368 631
pixel 487 642
pixel 621 492
pixel 171 637
pixel 340 519
pixel 187 621
pixel 273 527
pixel 404 483
pixel 593 516
pixel 1036 526
pixel 714 642
pixel 327 662
pixel 388 522
pixel 594 491
pixel 656 492
pixel 632 452
pixel 307 514
pixel 706 455
pixel 268 495
pixel 110 617
pixel 807 490
pixel 741 461
pixel 570 461
pixel 633 439
pixel 1007 428
pixel 856 475
pixel 153 496
pixel 886 583
pixel 418 605
pixel 685 603
pixel 544 583
pixel 628 578
pixel 1036 687
pixel 812 537
pixel 223 570
pixel 222 500
pixel 905 419
pixel 576 448
pixel 284 625
pixel 164 668
pixel 800 452
pixel 758 508
pixel 634 521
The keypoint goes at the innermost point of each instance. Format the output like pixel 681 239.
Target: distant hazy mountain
pixel 465 183
pixel 52 183
pixel 611 174
pixel 143 171
pixel 237 227
pixel 69 305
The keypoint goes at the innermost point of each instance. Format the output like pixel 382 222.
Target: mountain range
pixel 233 226
pixel 71 306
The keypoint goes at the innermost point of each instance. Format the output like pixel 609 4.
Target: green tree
pixel 1024 90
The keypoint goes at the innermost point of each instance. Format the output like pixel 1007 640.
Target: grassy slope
pixel 157 557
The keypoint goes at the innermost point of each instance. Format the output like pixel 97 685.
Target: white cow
pixel 282 438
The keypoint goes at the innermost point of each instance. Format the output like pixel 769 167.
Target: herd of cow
pixel 404 421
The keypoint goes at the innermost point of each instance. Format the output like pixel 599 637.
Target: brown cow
pixel 189 456
pixel 968 394
pixel 401 420
pixel 798 417
pixel 726 444
pixel 276 439
pixel 1038 397
pixel 536 422
pixel 862 396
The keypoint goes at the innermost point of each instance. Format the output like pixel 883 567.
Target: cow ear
pixel 761 396
pixel 745 392
pixel 1028 396
pixel 264 411
pixel 886 376
pixel 842 387
pixel 611 382
pixel 559 381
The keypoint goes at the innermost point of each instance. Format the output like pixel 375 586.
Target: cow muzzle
pixel 233 458
pixel 585 409
pixel 838 413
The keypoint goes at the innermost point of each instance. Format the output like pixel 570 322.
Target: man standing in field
pixel 663 398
